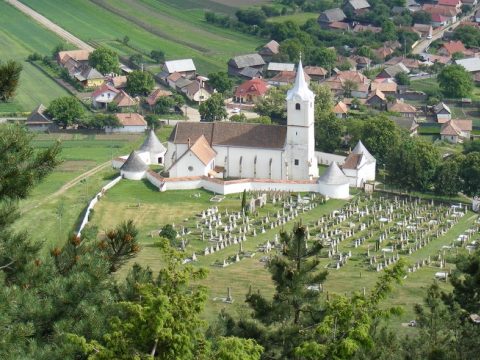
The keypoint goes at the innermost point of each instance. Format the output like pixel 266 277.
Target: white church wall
pixel 189 165
pixel 248 169
pixel 326 158
pixel 174 151
pixel 117 163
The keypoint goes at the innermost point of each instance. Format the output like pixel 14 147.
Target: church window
pixel 297 106
pixel 255 167
pixel 190 168
pixel 296 162
pixel 270 168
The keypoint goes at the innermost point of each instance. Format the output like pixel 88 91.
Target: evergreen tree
pixel 285 321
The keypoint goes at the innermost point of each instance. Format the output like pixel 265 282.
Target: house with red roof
pixel 104 95
pixel 457 4
pixel 250 91
pixel 456 131
pixel 451 47
pixel 438 20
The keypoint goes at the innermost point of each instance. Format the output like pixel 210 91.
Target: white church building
pixel 226 157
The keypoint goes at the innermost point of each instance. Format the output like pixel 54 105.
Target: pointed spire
pixel 300 89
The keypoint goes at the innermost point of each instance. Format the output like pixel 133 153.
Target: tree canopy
pixel 139 83
pixel 213 109
pixel 104 60
pixel 455 81
pixel 66 111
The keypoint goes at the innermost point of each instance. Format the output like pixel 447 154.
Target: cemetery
pixel 360 238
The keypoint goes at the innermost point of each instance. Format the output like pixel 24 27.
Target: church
pixel 237 150
pixel 227 157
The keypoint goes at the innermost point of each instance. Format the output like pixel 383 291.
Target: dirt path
pixel 67 186
pixel 50 25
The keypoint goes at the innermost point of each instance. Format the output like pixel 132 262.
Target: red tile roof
pixel 131 119
pixel 104 88
pixel 454 46
pixel 254 87
pixel 449 2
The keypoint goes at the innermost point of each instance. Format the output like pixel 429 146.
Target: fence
pixel 94 201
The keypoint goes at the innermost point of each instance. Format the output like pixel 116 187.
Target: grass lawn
pixel 19 37
pixel 151 210
pixel 298 18
pixel 179 31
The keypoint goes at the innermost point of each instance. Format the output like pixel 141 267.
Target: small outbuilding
pixel 134 168
pixel 333 183
pixel 38 120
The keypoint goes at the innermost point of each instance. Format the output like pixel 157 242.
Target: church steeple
pixel 300 90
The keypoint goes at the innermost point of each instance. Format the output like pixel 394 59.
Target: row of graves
pixel 216 230
pixel 378 231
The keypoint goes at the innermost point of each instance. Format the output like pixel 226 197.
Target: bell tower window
pixel 297 106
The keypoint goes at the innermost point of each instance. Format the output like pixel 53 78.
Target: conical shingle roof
pixel 134 163
pixel 333 176
pixel 152 144
pixel 360 149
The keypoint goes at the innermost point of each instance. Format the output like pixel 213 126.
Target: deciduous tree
pixel 66 111
pixel 104 60
pixel 213 109
pixel 140 83
pixel 455 81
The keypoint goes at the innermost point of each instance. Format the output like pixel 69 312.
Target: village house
pixel 103 95
pixel 184 67
pixel 90 78
pixel 472 65
pixel 286 78
pixel 74 61
pixel 316 73
pixel 197 90
pixel 118 82
pixel 339 25
pixel 38 120
pixel 340 110
pixel 362 62
pixel 407 123
pixel 413 6
pixel 361 28
pixel 390 71
pixel 477 16
pixel 239 63
pixel 438 20
pixel 404 109
pixel 357 7
pixel 442 112
pixel 129 123
pixel 125 102
pixel 456 4
pixel 269 50
pixel 471 3
pixel 330 16
pixel 449 13
pixel 156 94
pixel 338 82
pixel 274 68
pixel 383 52
pixel 386 86
pixel 424 30
pixel 410 64
pixel 456 131
pixel 250 91
pixel 452 47
pixel 377 100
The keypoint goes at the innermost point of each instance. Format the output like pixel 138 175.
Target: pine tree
pixel 286 319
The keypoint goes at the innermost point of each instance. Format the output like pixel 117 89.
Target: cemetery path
pixel 50 25
pixel 68 186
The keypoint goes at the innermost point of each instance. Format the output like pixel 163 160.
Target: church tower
pixel 300 160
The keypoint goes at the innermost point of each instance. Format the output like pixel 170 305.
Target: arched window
pixel 255 167
pixel 297 106
pixel 270 168
pixel 240 168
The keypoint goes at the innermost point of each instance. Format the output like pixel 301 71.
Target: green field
pixel 151 25
pixel 19 37
pixel 298 18
pixel 58 209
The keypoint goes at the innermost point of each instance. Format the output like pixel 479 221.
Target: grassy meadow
pixel 59 200
pixel 151 25
pixel 19 37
